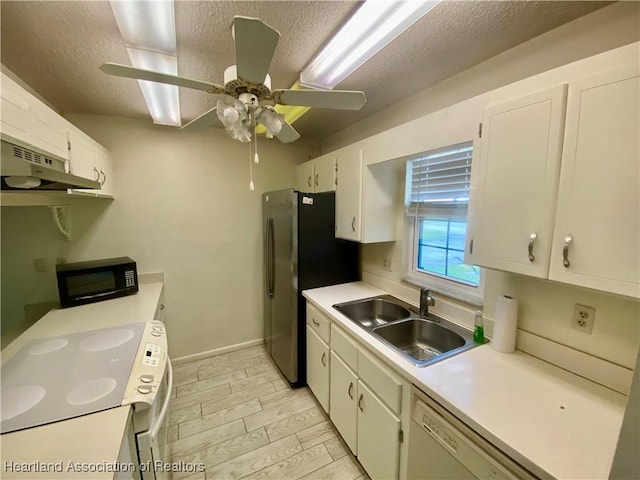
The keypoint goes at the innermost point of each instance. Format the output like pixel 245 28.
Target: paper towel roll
pixel 505 324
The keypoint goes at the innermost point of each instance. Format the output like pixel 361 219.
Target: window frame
pixel 451 287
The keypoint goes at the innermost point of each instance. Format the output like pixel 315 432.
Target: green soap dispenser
pixel 478 328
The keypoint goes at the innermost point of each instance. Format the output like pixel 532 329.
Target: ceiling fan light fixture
pixel 373 26
pixel 271 120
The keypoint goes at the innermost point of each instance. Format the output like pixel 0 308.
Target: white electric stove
pixel 58 378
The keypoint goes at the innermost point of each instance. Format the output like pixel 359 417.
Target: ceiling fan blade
pixel 207 119
pixel 338 99
pixel 255 45
pixel 288 134
pixel 142 74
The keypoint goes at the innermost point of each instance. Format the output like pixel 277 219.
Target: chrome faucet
pixel 426 301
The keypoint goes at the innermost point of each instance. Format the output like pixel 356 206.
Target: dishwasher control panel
pixel 431 423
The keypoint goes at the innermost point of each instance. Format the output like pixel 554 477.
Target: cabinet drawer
pixel 381 380
pixel 318 322
pixel 344 347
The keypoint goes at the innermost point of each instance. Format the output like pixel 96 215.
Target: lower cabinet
pixel 318 368
pixel 378 435
pixel 344 401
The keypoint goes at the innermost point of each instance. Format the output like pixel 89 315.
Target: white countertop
pixel 91 439
pixel 549 420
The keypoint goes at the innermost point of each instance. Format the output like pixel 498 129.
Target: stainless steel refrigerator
pixel 300 252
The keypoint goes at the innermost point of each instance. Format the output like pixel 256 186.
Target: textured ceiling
pixel 56 48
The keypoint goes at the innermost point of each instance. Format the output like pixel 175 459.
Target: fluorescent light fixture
pixel 374 25
pixel 149 31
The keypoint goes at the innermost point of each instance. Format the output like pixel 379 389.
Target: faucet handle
pixel 426 301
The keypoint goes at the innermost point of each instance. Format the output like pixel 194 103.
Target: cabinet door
pixel 105 166
pixel 50 131
pixel 598 201
pixel 83 155
pixel 318 368
pixel 17 118
pixel 304 176
pixel 344 394
pixel 324 179
pixel 349 194
pixel 518 168
pixel 378 436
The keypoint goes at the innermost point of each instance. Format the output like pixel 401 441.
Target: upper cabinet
pixel 318 175
pixel 518 163
pixel 597 231
pixel 564 210
pixel 89 159
pixel 29 122
pixel 365 197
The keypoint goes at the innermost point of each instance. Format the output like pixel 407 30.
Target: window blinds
pixel 440 177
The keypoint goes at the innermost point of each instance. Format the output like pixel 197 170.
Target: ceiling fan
pixel 246 97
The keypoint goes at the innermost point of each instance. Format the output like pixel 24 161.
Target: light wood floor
pixel 237 415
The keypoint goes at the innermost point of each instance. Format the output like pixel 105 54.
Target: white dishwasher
pixel 442 447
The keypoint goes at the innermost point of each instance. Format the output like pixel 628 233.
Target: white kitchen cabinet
pixel 570 214
pixel 83 154
pixel 599 191
pixel 318 175
pixel 518 164
pixel 318 367
pixel 365 400
pixel 378 436
pixel 50 131
pixel 349 194
pixel 17 118
pixel 30 123
pixel 89 159
pixel 365 197
pixel 343 401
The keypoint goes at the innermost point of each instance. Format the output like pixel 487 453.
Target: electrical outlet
pixel 387 265
pixel 583 318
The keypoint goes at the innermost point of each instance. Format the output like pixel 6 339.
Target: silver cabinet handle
pixel 317 180
pixel 104 178
pixel 360 402
pixel 97 172
pixel 350 391
pixel 565 250
pixel 315 322
pixel 162 306
pixel 324 359
pixel 309 180
pixel 532 238
pixel 353 224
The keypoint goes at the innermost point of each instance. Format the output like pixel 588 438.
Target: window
pixel 437 196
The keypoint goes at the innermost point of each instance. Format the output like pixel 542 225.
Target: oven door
pixel 153 448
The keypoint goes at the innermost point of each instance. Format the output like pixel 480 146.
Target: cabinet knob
pixel 350 391
pixel 324 359
pixel 532 238
pixel 361 402
pixel 353 224
pixel 565 250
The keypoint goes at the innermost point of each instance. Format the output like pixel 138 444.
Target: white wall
pixel 183 207
pixel 545 307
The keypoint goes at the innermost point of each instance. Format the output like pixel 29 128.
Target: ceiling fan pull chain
pixel 256 159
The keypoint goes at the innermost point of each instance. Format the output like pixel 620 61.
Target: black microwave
pixel 96 280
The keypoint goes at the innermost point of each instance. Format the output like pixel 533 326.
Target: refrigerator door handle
pixel 270 259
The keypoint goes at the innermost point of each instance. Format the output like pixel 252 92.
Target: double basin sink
pixel 420 340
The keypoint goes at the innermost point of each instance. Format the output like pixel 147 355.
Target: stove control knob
pixel 144 389
pixel 146 378
pixel 156 334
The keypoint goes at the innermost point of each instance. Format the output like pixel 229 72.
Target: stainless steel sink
pixel 372 312
pixel 420 340
pixel 423 341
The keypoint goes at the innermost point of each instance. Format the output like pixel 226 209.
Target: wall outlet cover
pixel 583 318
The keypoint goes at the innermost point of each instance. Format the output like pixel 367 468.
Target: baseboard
pixel 217 351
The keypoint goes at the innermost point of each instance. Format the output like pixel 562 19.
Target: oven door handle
pixel 153 432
